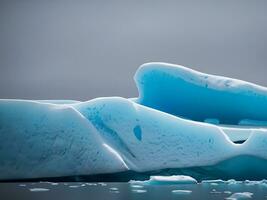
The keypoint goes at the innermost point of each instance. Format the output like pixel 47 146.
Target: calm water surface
pixel 123 191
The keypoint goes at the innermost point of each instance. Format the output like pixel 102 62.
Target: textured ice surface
pixel 193 95
pixel 184 122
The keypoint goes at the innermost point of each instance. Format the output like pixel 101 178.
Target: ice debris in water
pixel 179 179
pixel 39 189
pixel 139 191
pixel 214 191
pixel 167 180
pixel 240 195
pixel 181 191
pixel 74 186
pixel 136 186
pixel 102 184
pixel 114 188
pixel 92 184
pixel 224 133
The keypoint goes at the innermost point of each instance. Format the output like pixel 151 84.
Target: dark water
pixel 122 191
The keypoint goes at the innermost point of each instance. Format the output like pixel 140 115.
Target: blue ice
pixel 183 121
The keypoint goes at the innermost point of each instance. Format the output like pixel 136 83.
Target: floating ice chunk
pixel 102 184
pixel 240 195
pixel 114 188
pixel 181 192
pixel 166 180
pixel 214 184
pixel 214 191
pixel 115 191
pixel 139 191
pixel 39 189
pixel 172 180
pixel 74 186
pixel 136 184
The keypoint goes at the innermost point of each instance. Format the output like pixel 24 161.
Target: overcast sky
pixel 80 50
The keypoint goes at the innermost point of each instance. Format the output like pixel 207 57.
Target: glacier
pixel 183 122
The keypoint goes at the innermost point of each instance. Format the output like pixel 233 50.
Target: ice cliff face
pixel 183 121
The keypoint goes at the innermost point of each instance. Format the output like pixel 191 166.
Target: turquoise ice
pixel 183 122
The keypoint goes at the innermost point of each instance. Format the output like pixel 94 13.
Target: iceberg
pixel 183 122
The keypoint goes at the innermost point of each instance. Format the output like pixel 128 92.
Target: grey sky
pixel 85 49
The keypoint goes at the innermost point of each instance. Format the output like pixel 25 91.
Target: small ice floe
pixel 180 179
pixel 39 189
pixel 240 195
pixel 227 192
pixel 22 185
pixel 181 192
pixel 102 184
pixel 114 190
pixel 74 186
pixel 166 180
pixel 214 191
pixel 136 186
pixel 139 191
pixel 91 184
pixel 47 182
pixel 214 184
